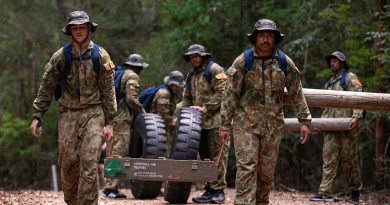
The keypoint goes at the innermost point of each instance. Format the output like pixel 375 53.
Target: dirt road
pixel 33 197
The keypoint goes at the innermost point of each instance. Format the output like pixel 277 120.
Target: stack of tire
pixel 185 146
pixel 149 141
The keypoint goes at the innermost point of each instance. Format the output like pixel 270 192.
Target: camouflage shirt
pixel 129 103
pixel 207 95
pixel 352 84
pixel 254 100
pixel 164 104
pixel 83 89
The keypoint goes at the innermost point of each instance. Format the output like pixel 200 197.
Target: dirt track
pixel 32 197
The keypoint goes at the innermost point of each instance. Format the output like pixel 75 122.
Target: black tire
pixel 185 146
pixel 148 140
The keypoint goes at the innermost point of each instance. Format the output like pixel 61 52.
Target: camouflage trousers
pixel 79 139
pixel 256 157
pixel 208 149
pixel 169 143
pixel 119 146
pixel 340 146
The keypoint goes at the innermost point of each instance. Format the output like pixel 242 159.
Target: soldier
pixel 203 91
pixel 86 102
pixel 254 96
pixel 165 100
pixel 341 145
pixel 128 104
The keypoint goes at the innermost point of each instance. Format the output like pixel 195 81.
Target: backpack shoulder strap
pixel 248 57
pixel 282 60
pixel 68 57
pixel 95 55
pixel 328 84
pixel 67 49
pixel 188 81
pixel 207 71
pixel 117 82
pixel 343 80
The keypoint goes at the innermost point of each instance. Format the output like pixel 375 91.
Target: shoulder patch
pixel 221 75
pixel 109 65
pixel 357 82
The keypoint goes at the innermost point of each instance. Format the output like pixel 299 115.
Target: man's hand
pixel 200 109
pixel 36 130
pixel 305 134
pixel 108 132
pixel 353 125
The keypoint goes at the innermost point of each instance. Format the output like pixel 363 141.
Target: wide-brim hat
pixel 175 77
pixel 196 49
pixel 265 25
pixel 338 55
pixel 78 18
pixel 135 60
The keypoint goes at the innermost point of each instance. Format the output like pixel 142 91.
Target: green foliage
pixel 15 139
pixel 19 149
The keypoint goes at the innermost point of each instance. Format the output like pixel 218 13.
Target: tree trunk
pixel 320 124
pixel 379 128
pixel 345 99
pixel 305 64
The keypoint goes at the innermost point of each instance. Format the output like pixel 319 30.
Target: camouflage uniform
pixel 209 96
pixel 87 103
pixel 254 102
pixel 341 145
pixel 164 103
pixel 123 119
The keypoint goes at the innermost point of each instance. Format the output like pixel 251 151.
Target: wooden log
pixel 346 99
pixel 323 124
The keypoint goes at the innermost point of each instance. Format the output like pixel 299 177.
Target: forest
pixel 161 31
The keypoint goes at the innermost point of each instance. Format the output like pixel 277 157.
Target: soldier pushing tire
pixel 185 147
pixel 148 140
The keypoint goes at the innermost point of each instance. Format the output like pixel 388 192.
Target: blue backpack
pixel 248 56
pixel 117 82
pixel 68 65
pixel 343 84
pixel 343 81
pixel 206 74
pixel 146 96
pixel 95 56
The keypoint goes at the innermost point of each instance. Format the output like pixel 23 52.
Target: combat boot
pixel 355 196
pixel 205 197
pixel 114 194
pixel 218 197
pixel 321 197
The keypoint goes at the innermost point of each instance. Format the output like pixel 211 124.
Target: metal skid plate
pixel 160 169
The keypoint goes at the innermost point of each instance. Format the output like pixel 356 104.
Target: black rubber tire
pixel 148 140
pixel 185 146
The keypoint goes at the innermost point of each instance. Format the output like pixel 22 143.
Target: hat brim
pixel 166 81
pixel 187 55
pixel 66 30
pixel 143 65
pixel 328 57
pixel 278 34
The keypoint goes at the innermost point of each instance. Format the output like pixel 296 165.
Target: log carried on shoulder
pixel 346 99
pixel 323 124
